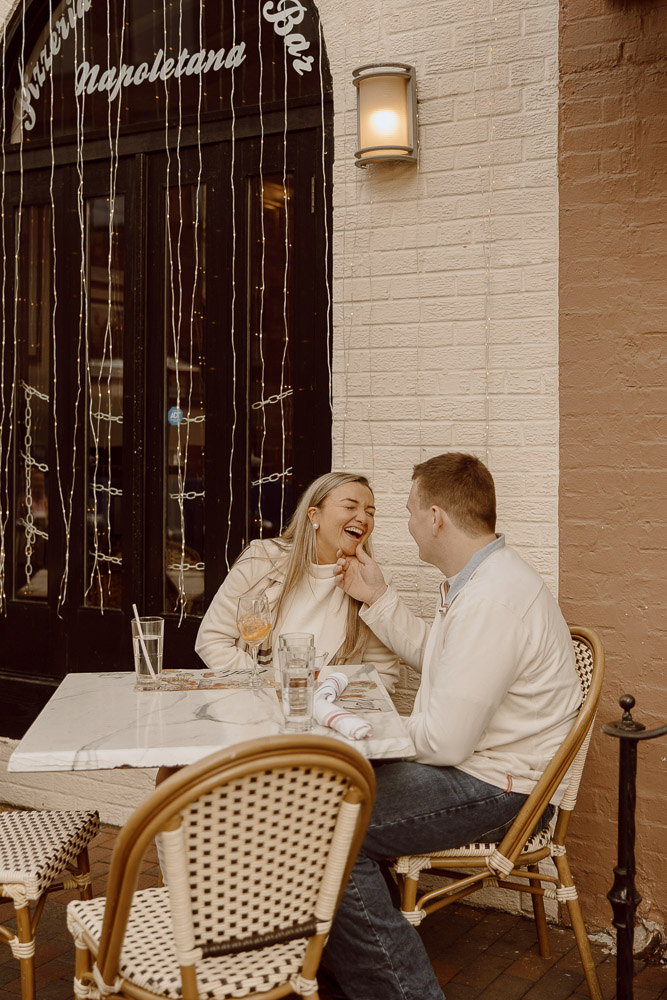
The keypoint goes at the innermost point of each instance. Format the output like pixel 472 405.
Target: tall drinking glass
pixel 297 681
pixel 253 621
pixel 287 639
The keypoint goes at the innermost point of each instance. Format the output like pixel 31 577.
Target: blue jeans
pixel 374 953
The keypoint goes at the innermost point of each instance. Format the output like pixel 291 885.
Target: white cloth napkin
pixel 328 714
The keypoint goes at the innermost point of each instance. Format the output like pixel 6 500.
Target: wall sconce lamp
pixel 386 113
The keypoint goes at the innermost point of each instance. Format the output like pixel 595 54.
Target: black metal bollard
pixel 623 895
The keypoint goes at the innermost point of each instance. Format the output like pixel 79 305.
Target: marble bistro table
pixel 98 721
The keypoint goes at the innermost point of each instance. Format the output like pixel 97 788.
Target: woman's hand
pixel 359 576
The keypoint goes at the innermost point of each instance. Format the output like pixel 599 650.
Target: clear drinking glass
pixel 297 680
pixel 151 648
pixel 286 639
pixel 253 621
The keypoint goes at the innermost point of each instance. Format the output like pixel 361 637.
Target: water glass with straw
pixel 148 644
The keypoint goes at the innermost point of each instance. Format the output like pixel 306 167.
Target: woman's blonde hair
pixel 300 542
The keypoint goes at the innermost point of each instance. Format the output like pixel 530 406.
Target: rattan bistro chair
pixel 257 842
pixel 518 854
pixel 40 852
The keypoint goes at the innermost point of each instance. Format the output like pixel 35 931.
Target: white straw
pixel 143 644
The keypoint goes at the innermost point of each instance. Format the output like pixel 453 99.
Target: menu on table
pixel 363 693
pixel 200 680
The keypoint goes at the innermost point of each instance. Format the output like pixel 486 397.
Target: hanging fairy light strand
pixel 97 426
pixel 81 345
pixel 183 495
pixel 84 303
pixel 4 505
pixel 325 191
pixel 285 293
pixel 101 420
pixel 177 327
pixel 110 325
pixel 184 566
pixel 27 521
pixel 176 270
pixel 261 405
pixel 17 252
pixel 94 397
pixel 174 321
pixel 340 307
pixel 54 312
pixel 232 332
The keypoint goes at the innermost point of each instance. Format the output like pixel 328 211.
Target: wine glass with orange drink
pixel 253 621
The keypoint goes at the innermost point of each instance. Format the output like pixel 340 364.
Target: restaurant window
pixel 32 311
pixel 166 197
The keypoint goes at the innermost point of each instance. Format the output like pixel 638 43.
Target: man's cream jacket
pixel 499 689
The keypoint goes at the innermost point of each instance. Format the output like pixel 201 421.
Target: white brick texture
pixel 445 275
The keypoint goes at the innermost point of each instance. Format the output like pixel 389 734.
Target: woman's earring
pixel 315 526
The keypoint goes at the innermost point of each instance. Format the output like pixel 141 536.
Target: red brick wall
pixel 613 408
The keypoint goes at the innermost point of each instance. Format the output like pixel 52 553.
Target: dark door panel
pixel 192 392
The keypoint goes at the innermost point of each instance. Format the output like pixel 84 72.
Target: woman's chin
pixel 349 545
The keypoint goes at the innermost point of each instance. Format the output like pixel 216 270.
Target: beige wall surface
pixel 445 274
pixel 613 404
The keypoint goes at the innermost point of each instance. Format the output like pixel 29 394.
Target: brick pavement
pixel 477 954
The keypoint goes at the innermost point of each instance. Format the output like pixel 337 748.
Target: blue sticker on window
pixel 175 415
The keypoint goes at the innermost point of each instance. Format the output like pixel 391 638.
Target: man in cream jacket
pixel 498 694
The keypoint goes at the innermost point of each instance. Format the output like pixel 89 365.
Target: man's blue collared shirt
pixel 454 585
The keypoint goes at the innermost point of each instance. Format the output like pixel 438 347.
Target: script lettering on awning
pixel 286 15
pixel 92 77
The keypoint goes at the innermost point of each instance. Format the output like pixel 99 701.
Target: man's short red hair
pixel 462 486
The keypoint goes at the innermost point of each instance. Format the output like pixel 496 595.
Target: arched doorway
pixel 165 328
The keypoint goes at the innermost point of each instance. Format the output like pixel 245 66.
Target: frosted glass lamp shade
pixel 386 113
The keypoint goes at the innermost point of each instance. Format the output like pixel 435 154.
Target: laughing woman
pixel 295 571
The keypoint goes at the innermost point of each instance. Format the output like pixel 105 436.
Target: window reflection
pixel 104 391
pixel 33 323
pixel 270 384
pixel 186 419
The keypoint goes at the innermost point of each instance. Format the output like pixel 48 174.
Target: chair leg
pixel 408 890
pixel 27 963
pixel 579 928
pixel 311 964
pixel 540 919
pixel 82 969
pixel 189 980
pixel 83 867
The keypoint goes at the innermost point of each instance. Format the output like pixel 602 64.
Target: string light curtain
pixel 97 77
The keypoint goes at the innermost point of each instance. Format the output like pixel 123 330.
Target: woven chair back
pixel 257 847
pixel 249 836
pixel 589 663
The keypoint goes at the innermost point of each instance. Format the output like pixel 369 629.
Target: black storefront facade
pixel 165 354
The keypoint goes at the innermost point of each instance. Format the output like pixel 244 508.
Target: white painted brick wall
pixel 438 269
